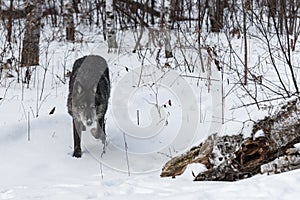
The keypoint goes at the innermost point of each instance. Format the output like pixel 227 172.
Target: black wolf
pixel 89 90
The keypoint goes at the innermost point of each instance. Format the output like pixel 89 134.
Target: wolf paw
pixel 77 153
pixel 95 133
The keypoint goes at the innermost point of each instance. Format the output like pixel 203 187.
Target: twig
pixel 47 63
pixel 138 117
pixel 126 153
pixel 28 126
pixel 198 77
pixel 64 82
pixel 142 67
pixel 165 154
pixel 5 92
pixel 37 99
pixel 43 83
pixel 258 102
pixel 101 171
pixel 41 103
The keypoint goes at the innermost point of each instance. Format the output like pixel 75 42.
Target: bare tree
pixel 31 40
pixel 216 8
pixel 110 25
pixel 69 21
pixel 245 41
pixel 168 8
pixel 10 22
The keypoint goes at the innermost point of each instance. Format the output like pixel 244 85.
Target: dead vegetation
pixel 231 158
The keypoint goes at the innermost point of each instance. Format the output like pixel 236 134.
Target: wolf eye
pixel 82 106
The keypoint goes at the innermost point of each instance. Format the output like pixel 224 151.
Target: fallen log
pixel 270 149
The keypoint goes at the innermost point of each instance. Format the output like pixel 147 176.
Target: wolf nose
pixel 89 122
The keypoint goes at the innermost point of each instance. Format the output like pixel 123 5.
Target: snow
pixel 259 133
pixel 36 148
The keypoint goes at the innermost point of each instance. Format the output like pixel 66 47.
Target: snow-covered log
pixel 271 149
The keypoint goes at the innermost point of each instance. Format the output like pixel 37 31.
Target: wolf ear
pixel 78 87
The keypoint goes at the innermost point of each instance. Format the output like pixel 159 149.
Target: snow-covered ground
pixel 36 147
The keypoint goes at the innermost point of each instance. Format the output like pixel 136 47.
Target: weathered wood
pixel 198 154
pixel 231 158
pixel 281 164
pixel 205 153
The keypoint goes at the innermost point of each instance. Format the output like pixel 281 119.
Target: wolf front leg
pixel 102 134
pixel 77 139
pixel 101 130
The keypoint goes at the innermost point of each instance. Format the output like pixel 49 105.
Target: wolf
pixel 89 91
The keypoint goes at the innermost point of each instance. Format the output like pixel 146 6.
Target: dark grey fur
pixel 89 91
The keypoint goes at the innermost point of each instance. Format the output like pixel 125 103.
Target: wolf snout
pixel 89 122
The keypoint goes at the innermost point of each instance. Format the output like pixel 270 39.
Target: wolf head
pixel 84 105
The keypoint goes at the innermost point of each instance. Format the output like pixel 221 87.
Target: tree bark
pixel 10 22
pixel 168 6
pixel 216 15
pixel 110 25
pixel 69 22
pixel 245 43
pixel 31 40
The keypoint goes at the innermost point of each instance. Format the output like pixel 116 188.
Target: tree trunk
pixel 152 15
pixel 272 9
pixel 10 22
pixel 69 22
pixel 31 40
pixel 281 16
pixel 245 43
pixel 168 6
pixel 110 25
pixel 216 15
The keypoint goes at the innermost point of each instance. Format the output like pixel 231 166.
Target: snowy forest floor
pixel 36 152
